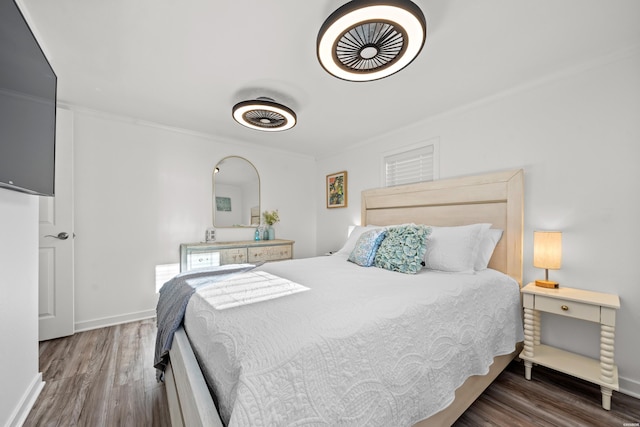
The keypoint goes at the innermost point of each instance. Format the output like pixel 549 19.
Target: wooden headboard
pixel 495 198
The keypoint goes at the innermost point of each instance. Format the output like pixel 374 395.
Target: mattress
pixel 363 346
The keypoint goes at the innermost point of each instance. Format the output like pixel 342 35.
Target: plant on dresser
pixel 271 218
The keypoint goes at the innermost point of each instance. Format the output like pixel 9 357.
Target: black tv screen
pixel 27 107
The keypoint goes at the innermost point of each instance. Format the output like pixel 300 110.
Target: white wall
pixel 21 381
pixel 577 137
pixel 141 190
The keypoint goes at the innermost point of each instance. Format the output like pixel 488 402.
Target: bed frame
pixel 496 198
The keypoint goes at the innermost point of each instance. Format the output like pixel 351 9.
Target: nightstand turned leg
pixel 536 327
pixel 606 398
pixel 527 369
pixel 607 335
pixel 529 339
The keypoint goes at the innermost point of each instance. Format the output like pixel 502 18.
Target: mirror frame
pixel 213 194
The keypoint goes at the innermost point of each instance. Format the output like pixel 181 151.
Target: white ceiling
pixel 185 63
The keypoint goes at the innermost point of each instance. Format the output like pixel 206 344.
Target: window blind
pixel 415 165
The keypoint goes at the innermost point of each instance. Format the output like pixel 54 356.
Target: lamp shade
pixel 547 249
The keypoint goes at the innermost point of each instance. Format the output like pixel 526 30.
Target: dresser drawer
pixel 568 308
pixel 270 253
pixel 233 256
pixel 203 259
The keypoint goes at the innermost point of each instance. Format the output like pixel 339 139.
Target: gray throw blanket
pixel 172 305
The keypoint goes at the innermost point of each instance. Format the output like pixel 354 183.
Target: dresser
pixel 202 255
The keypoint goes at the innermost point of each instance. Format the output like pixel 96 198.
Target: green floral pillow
pixel 403 248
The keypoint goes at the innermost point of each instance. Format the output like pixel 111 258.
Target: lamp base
pixel 546 284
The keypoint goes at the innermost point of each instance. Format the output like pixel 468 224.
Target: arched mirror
pixel 236 193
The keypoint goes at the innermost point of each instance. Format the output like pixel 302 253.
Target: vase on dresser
pixel 271 232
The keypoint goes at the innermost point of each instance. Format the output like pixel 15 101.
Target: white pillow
pixel 454 249
pixel 487 245
pixel 350 244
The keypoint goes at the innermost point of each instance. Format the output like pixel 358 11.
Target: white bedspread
pixel 248 288
pixel 365 346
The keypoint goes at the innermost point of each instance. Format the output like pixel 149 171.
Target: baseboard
pixel 21 412
pixel 629 387
pixel 103 322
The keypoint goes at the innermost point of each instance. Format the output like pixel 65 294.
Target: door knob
pixel 62 235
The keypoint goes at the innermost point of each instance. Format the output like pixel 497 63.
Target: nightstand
pixel 580 304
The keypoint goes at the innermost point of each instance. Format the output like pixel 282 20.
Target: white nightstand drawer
pixel 568 308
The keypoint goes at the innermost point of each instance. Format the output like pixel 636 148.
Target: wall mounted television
pixel 27 107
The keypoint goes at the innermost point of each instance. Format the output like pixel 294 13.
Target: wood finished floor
pixel 104 377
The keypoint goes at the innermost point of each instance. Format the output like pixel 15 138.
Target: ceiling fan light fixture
pixel 264 114
pixel 366 40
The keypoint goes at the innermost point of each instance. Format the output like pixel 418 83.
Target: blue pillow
pixel 403 248
pixel 367 246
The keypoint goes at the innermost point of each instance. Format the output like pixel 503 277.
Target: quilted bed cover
pixel 364 346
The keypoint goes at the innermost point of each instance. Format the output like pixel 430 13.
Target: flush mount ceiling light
pixel 367 40
pixel 264 114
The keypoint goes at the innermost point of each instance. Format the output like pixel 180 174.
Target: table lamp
pixel 547 254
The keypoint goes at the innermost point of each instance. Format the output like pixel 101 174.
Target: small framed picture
pixel 223 204
pixel 337 190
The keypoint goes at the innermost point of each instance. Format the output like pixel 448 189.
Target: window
pixel 164 273
pixel 411 164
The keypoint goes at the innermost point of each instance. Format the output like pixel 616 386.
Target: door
pixel 55 298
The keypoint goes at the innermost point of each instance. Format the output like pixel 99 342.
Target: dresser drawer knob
pixel 564 307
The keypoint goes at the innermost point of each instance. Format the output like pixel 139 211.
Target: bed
pixel 495 198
